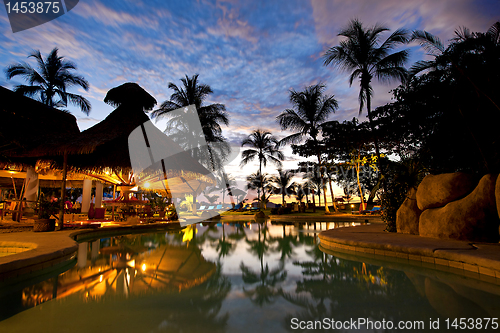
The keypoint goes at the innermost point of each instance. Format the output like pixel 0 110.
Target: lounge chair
pixel 219 207
pixel 374 210
pixel 211 208
pixel 202 207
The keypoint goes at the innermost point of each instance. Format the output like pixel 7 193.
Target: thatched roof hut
pixel 30 130
pixel 107 144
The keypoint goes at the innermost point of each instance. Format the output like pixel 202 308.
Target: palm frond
pixel 79 101
pixel 432 44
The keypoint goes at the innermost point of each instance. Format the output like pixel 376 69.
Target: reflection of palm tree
pixel 285 245
pixel 239 234
pixel 329 283
pixel 224 247
pixel 265 292
pixel 51 79
pixel 264 147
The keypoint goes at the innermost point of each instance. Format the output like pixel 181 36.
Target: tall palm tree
pixel 264 147
pixel 362 54
pixel 49 82
pixel 211 116
pixel 283 184
pixel 312 109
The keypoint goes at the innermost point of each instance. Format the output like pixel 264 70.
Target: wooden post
pixel 63 191
pixel 114 195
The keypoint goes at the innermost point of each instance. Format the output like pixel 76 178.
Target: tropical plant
pixel 365 57
pixel 225 184
pixel 49 83
pixel 48 208
pixel 211 118
pixel 256 181
pixel 283 184
pixel 299 193
pixel 311 110
pixel 264 147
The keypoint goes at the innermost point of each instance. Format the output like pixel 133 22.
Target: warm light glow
pixel 147 185
pixel 352 206
pixel 100 278
pixel 143 267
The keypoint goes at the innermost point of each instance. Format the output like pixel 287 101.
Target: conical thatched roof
pixel 30 130
pixel 130 94
pixel 106 144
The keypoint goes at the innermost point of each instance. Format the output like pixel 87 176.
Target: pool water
pixel 237 277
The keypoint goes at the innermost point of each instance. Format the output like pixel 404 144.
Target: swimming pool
pixel 238 277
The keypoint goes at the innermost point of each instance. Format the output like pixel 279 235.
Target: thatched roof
pixel 30 130
pixel 106 144
pixel 130 94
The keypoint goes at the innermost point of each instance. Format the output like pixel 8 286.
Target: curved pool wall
pixel 265 275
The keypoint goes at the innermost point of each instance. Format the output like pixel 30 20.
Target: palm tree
pixel 51 79
pixel 226 183
pixel 283 184
pixel 363 55
pixel 211 117
pixel 300 193
pixel 312 109
pixel 464 42
pixel 257 181
pixel 263 146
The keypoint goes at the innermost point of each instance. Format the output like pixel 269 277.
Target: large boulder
pixel 438 190
pixel 473 218
pixel 407 216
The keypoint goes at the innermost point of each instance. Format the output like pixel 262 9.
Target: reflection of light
pixel 147 185
pixel 143 267
pixel 131 263
pixel 100 278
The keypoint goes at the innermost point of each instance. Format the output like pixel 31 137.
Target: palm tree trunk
pixel 321 175
pixel 261 185
pixel 314 202
pixel 361 197
pixel 60 225
pixel 319 197
pixel 333 197
pixel 375 137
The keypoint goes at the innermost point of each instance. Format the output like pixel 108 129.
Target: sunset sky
pixel 250 52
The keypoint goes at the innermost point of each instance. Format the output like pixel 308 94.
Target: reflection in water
pixel 216 277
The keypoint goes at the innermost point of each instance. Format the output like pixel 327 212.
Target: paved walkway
pixel 481 259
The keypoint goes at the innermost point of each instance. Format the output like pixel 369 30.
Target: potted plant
pixel 161 204
pixel 47 212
